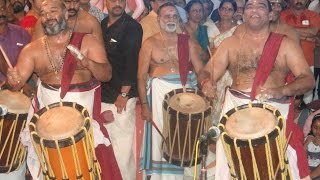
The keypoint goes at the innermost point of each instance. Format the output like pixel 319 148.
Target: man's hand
pixel 121 103
pixel 209 90
pixel 275 93
pixel 146 112
pixel 14 77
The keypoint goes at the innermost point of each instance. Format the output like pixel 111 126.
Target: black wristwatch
pixel 123 94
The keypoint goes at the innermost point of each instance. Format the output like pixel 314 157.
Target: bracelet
pixel 144 103
pixel 203 82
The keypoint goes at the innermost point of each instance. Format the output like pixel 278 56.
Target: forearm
pixel 307 32
pixel 101 71
pixel 300 85
pixel 125 89
pixel 142 89
pixel 203 75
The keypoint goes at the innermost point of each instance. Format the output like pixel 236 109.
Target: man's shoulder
pixel 132 22
pixel 87 18
pixel 152 16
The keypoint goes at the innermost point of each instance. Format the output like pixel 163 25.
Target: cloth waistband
pixel 84 86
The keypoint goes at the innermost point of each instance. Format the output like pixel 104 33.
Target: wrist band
pixel 203 82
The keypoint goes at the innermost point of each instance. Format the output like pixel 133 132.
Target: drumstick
pixel 5 57
pixel 285 148
pixel 156 127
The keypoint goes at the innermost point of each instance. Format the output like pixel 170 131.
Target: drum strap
pixel 267 59
pixel 70 64
pixel 183 55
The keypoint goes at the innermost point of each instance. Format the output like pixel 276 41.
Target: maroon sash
pixel 267 59
pixel 70 64
pixel 183 56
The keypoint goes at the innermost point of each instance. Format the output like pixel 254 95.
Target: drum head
pixel 250 123
pixel 15 101
pixel 59 123
pixel 188 103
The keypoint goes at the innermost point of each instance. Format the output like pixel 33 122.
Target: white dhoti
pixel 231 101
pixel 121 132
pixel 47 95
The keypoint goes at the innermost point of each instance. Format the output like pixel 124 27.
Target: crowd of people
pixel 126 55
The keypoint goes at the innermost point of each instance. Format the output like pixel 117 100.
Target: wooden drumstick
pixel 6 57
pixel 285 149
pixel 158 130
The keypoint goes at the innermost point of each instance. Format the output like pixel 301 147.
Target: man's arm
pixel 214 69
pixel 132 46
pixel 296 63
pixel 95 58
pixel 143 75
pixel 18 76
pixel 195 55
pixel 37 31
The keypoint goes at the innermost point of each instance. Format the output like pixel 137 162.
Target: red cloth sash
pixel 267 59
pixel 183 56
pixel 297 138
pixel 70 64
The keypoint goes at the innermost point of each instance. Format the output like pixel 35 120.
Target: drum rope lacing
pixel 280 145
pixel 87 144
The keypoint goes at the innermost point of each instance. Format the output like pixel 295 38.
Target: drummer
pixel 65 76
pixel 158 65
pixel 245 57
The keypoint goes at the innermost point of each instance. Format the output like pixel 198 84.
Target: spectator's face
pixel 52 17
pixel 240 7
pixel 116 7
pixel 256 14
pixel 168 19
pixel 226 11
pixel 276 6
pixel 72 6
pixel 298 4
pixel 315 128
pixel 17 5
pixel 206 10
pixel 3 12
pixel 196 13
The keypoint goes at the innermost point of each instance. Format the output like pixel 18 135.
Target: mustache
pixel 3 16
pixel 117 7
pixel 72 9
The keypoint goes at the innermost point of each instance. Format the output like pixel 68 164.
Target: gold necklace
pixel 171 58
pixel 59 67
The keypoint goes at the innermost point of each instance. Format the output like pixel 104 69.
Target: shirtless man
pixel 78 20
pixel 49 59
pixel 158 64
pixel 241 56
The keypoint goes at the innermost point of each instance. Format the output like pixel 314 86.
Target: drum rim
pixel 65 142
pixel 187 116
pixel 12 111
pixel 255 141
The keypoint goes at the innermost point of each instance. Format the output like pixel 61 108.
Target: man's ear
pixel 66 15
pixel 270 16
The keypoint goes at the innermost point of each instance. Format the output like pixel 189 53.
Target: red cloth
pixel 70 64
pixel 296 21
pixel 105 155
pixel 183 56
pixel 28 21
pixel 267 59
pixel 297 138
